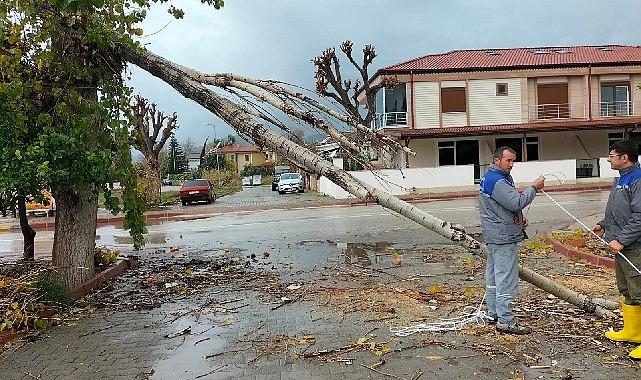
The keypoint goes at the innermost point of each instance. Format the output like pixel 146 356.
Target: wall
pixel 485 107
pixel 454 119
pixel 526 172
pixel 577 97
pixel 425 153
pixel 401 182
pixel 565 145
pixel 427 108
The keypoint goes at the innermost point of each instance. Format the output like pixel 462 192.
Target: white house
pixel 559 108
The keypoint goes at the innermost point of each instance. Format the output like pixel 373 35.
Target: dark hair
pixel 627 147
pixel 498 153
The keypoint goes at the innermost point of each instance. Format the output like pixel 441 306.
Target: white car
pixel 290 183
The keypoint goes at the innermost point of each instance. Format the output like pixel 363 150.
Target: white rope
pixel 471 314
pixel 590 230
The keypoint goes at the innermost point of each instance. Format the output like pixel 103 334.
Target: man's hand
pixel 539 182
pixel 615 246
pixel 525 222
pixel 598 230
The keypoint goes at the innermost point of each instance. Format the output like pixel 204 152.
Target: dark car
pixel 278 170
pixel 195 190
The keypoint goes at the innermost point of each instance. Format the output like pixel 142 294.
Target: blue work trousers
pixel 502 281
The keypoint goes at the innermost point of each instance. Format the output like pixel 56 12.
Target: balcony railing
pixel 556 111
pixel 389 119
pixel 621 108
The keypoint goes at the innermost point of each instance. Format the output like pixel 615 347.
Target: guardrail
pixel 620 108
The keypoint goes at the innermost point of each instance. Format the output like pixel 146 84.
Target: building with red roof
pixel 550 104
pixel 246 155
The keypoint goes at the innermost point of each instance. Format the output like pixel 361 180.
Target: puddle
pixel 362 253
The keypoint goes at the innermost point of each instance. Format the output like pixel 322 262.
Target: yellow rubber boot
pixel 636 353
pixel 631 331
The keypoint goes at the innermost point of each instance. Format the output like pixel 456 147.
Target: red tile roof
pixel 526 58
pixel 239 149
pixel 547 126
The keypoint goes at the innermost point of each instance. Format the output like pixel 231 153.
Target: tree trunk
pixel 28 233
pixel 152 181
pixel 184 80
pixel 75 235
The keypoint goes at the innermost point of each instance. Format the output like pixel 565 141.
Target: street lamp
pixel 217 154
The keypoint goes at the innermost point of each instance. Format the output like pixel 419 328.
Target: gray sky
pixel 277 39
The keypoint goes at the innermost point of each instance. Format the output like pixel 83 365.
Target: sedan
pixel 197 190
pixel 290 183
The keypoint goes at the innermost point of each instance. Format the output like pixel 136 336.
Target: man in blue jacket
pixel 621 228
pixel 502 223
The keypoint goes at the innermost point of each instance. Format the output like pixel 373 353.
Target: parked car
pixel 166 182
pixel 290 182
pixel 194 190
pixel 278 170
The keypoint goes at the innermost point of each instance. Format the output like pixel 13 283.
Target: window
pixel 532 148
pixel 446 153
pixel 511 142
pixel 614 137
pixel 615 99
pixel 501 89
pixel 453 99
pixel 247 157
pixel 460 152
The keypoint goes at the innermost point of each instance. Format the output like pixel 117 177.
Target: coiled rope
pixel 470 314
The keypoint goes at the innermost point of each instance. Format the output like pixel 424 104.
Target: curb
pixel 572 252
pixel 107 274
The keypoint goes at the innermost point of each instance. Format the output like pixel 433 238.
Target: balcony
pixel 556 111
pixel 389 120
pixel 619 108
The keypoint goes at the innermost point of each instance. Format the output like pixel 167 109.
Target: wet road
pixel 265 227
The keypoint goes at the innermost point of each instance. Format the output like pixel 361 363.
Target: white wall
pixel 426 97
pixel 401 182
pixel 454 119
pixel 485 107
pixel 526 172
pixel 605 169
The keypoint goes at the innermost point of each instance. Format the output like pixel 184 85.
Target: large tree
pixel 151 130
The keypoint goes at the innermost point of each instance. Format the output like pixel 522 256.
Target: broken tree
pixel 191 84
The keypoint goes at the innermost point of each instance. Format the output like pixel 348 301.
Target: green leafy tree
pixel 176 161
pixel 61 119
pixel 214 161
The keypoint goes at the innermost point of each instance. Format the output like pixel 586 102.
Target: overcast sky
pixel 276 39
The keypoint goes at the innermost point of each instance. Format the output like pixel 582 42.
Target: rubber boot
pixel 636 353
pixel 631 331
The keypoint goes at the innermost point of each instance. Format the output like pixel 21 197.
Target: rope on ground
pixel 471 314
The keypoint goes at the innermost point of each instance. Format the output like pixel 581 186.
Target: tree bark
pixel 152 179
pixel 75 235
pixel 28 233
pixel 180 78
